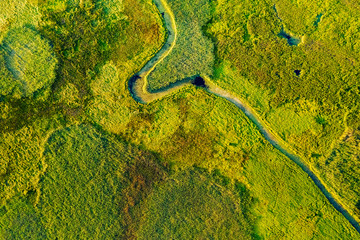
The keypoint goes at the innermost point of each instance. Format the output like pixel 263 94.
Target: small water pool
pixel 292 40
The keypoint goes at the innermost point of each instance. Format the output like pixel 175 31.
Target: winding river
pixel 138 87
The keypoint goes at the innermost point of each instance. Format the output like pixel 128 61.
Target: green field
pixel 309 111
pixel 193 52
pixel 81 159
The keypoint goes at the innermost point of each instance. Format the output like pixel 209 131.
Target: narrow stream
pixel 138 90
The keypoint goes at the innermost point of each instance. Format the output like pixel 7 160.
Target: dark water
pixel 131 85
pixel 318 19
pixel 292 41
pixel 297 72
pixel 199 82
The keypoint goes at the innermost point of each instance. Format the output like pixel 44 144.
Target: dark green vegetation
pixel 19 220
pixel 91 173
pixel 305 92
pixel 82 159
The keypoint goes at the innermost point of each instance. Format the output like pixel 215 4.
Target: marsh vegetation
pixel 79 158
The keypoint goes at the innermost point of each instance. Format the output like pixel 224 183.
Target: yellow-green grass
pixel 29 59
pixel 193 127
pixel 21 162
pixel 193 52
pixel 20 220
pixel 341 170
pixel 267 62
pixel 111 106
pixel 185 128
pixel 138 127
pixel 191 205
pixel 26 123
pixel 89 185
pixel 81 188
pixel 309 111
pixel 18 14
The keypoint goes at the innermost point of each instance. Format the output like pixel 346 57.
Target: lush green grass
pixel 308 110
pixel 193 52
pixel 81 189
pixel 214 134
pixel 259 55
pixel 91 184
pixel 19 220
pixel 342 170
pixel 20 158
pixel 30 60
pixel 295 119
pixel 111 106
pixel 26 124
pixel 182 131
pixel 27 61
pixel 89 142
pixel 190 205
pixel 18 14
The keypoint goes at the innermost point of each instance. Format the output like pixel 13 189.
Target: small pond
pixel 292 40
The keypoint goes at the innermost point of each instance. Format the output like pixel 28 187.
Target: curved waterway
pixel 138 87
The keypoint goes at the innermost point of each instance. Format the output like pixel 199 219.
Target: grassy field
pixel 79 158
pixel 193 52
pixel 304 92
pixel 191 205
pixel 30 61
pixel 19 220
pixel 81 188
pixel 215 135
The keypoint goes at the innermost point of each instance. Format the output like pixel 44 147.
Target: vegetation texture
pixel 80 159
pixel 304 91
pixel 30 61
pixel 193 52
